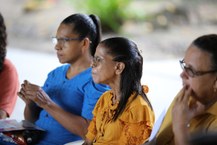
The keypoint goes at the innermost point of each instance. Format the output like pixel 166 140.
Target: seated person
pixel 194 108
pixel 63 106
pixel 8 77
pixel 124 114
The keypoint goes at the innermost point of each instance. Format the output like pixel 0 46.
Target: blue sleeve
pixel 92 93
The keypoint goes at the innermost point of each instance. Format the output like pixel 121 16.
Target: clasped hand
pixel 30 93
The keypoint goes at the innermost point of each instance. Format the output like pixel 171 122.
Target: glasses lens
pixel 188 70
pixel 54 40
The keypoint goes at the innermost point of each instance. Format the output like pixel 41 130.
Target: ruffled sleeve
pixel 137 122
pixel 91 134
pixel 138 111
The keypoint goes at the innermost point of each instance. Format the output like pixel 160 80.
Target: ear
pixel 119 67
pixel 86 44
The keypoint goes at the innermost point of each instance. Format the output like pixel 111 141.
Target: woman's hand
pixel 185 108
pixel 33 93
pixel 22 93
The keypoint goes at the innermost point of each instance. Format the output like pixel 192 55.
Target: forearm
pixel 181 135
pixel 74 123
pixel 31 112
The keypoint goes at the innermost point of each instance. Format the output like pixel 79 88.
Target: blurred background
pixel 161 28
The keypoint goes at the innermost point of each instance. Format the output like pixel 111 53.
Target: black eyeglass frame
pixel 193 73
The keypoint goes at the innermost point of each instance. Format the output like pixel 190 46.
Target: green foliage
pixel 112 13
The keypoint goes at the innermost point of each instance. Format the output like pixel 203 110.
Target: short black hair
pixel 208 43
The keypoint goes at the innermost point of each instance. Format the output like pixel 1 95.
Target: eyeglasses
pixel 191 72
pixel 63 40
pixel 96 60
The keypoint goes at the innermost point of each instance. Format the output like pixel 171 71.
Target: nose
pixel 58 46
pixel 93 64
pixel 184 75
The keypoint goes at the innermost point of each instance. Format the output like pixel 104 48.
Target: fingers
pixel 22 93
pixel 187 94
pixel 180 95
pixel 41 98
pixel 28 91
pixel 184 95
pixel 26 82
pixel 31 92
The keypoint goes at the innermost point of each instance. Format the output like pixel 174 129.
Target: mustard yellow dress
pixel 133 127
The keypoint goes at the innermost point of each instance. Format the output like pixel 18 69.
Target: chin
pixel 61 61
pixel 196 98
pixel 95 80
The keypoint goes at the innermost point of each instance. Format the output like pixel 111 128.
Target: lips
pixel 93 73
pixel 59 55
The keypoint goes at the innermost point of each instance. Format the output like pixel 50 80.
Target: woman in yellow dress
pixel 122 115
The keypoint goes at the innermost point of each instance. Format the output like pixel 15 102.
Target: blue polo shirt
pixel 77 95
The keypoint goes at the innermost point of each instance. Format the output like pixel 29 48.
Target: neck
pixel 115 88
pixel 116 96
pixel 210 103
pixel 78 66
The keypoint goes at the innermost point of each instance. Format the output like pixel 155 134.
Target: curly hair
pixel 3 41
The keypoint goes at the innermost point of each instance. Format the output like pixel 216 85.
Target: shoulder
pixel 138 110
pixel 104 99
pixel 9 70
pixel 211 117
pixel 8 65
pixel 96 87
